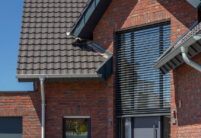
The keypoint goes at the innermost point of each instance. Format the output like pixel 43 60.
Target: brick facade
pixel 186 101
pixel 25 105
pixel 96 99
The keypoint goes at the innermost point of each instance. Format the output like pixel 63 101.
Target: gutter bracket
pixel 191 63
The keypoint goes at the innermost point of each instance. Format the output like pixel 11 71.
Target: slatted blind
pixel 139 88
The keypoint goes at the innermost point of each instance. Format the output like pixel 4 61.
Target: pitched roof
pixel 44 46
pixel 172 58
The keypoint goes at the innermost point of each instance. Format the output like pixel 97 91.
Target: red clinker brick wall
pixel 94 99
pixel 123 14
pixel 186 101
pixel 25 105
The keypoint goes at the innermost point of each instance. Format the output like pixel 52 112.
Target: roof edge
pixel 80 17
pixel 106 68
pixel 174 44
pixel 192 33
pixel 32 77
pixel 176 51
pixel 90 16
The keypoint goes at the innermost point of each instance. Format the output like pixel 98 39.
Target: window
pixel 139 88
pixel 76 128
pixel 10 127
pixel 142 93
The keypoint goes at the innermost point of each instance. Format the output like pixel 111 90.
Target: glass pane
pixel 140 89
pixel 76 128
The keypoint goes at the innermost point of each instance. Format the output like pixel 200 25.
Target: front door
pixel 143 127
pixel 146 127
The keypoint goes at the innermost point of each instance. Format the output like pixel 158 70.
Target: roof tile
pixel 44 46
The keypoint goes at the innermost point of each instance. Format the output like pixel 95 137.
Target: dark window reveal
pixel 76 128
pixel 10 127
pixel 139 88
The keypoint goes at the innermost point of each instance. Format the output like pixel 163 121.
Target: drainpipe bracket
pixel 42 78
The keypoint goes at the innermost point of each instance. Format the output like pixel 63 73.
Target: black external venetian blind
pixel 139 88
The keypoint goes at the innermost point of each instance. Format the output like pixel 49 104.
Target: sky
pixel 10 26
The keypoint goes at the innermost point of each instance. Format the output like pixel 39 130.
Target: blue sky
pixel 10 26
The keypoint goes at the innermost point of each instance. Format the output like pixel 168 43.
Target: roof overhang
pixel 58 77
pixel 89 18
pixel 173 58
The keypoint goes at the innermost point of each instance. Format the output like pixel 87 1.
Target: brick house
pixel 92 64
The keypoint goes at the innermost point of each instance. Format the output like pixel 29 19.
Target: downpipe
pixel 191 63
pixel 42 91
